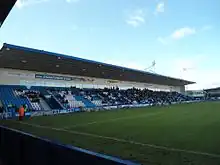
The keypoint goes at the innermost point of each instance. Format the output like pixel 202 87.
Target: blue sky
pixel 131 33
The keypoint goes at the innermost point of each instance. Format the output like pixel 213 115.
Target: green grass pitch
pixel 178 134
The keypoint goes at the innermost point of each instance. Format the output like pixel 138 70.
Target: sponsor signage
pixel 16 74
pixel 63 78
pixel 112 81
pixel 52 77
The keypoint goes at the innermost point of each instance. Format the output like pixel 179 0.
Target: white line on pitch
pixel 111 120
pixel 125 141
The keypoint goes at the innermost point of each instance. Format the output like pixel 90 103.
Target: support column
pixel 182 89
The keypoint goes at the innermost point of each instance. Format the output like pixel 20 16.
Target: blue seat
pixel 7 96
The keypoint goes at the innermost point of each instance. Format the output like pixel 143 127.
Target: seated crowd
pixel 115 96
pixel 68 98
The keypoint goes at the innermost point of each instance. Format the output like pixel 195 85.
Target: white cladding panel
pixel 28 78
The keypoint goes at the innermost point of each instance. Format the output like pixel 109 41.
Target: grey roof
pixel 17 57
pixel 212 89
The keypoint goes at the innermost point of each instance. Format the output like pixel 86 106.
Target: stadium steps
pixel 44 105
pixel 87 103
pixel 48 97
pixel 55 101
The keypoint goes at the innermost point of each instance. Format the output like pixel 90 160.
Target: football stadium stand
pixel 213 93
pixel 75 99
pixel 70 83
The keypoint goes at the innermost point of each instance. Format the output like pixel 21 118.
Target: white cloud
pixel 136 18
pixel 160 8
pixel 72 1
pixel 182 32
pixel 177 35
pixel 22 3
pixel 19 4
pixel 204 78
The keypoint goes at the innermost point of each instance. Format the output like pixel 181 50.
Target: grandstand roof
pixel 212 89
pixel 17 57
pixel 5 8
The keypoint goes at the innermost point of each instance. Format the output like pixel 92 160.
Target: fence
pixel 20 148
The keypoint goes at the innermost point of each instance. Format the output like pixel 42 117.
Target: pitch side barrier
pixel 9 115
pixel 20 148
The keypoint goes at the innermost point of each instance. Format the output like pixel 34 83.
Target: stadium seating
pixel 9 99
pixel 85 101
pixel 46 98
